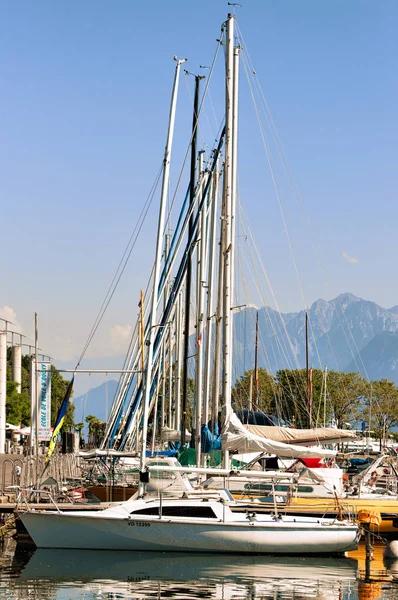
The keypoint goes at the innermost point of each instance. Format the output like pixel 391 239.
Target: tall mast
pixel 212 252
pixel 177 387
pixel 142 343
pixel 256 365
pixel 229 210
pixel 200 278
pixel 234 175
pixel 189 266
pixel 325 396
pixel 156 273
pixel 37 416
pixel 170 347
pixel 309 407
pixel 219 325
pixel 165 294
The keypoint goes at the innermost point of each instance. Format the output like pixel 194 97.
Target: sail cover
pixel 236 437
pixel 173 435
pixel 319 435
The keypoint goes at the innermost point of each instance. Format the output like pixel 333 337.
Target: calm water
pixel 105 575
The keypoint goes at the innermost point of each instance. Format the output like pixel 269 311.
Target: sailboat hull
pixel 50 530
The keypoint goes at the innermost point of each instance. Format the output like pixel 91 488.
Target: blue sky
pixel 84 107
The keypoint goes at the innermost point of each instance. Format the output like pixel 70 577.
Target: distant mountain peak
pixel 344 300
pixel 340 329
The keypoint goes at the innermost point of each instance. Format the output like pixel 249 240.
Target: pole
pixel 177 387
pixel 201 275
pixel 142 341
pixel 213 231
pixel 170 337
pixel 234 176
pixel 36 402
pixel 163 396
pixel 324 397
pixel 16 366
pixel 3 391
pixel 32 391
pixel 228 292
pixel 156 274
pixel 256 365
pixel 307 370
pixel 189 265
pixel 142 331
pixel 219 324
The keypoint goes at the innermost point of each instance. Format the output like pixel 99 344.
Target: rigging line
pixel 287 337
pixel 278 196
pixel 296 189
pixel 263 299
pixel 122 265
pixel 249 233
pixel 129 362
pixel 220 41
pixel 256 278
pixel 216 121
pixel 299 278
pixel 283 159
pixel 282 352
pixel 264 345
pixel 288 173
pixel 283 355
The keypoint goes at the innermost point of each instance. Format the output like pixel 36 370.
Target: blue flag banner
pixel 60 419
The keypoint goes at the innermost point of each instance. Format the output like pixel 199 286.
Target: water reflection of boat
pixel 108 566
pixel 81 565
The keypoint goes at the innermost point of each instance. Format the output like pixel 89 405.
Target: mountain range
pixel 345 334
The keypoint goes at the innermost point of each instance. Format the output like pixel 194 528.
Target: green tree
pixel 346 392
pixel 381 407
pixel 344 398
pixel 17 406
pixel 267 391
pixel 96 429
pixel 293 404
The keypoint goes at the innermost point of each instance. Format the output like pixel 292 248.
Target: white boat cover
pixel 173 435
pixel 319 435
pixel 96 452
pixel 330 478
pixel 236 437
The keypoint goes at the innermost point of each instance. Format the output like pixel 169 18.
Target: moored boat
pixel 197 525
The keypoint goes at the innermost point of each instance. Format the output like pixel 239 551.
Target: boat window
pixel 279 487
pixel 202 512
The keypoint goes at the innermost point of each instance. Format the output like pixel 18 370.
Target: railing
pixel 14 468
pixel 29 471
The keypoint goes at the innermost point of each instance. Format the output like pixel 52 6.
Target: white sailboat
pixel 207 523
pixel 201 525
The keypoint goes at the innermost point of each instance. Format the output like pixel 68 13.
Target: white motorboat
pixel 205 524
